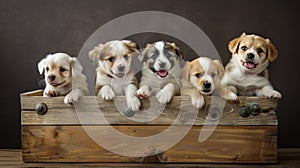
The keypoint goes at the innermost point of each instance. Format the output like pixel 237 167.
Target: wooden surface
pixel 12 158
pixel 227 144
pixel 61 114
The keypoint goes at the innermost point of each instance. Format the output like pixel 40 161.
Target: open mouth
pixel 56 84
pixel 249 64
pixel 206 91
pixel 120 75
pixel 161 73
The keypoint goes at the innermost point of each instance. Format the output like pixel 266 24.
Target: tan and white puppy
pixel 161 71
pixel 63 76
pixel 246 73
pixel 201 77
pixel 114 76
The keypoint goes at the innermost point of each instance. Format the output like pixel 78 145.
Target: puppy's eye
pixel 111 59
pixel 126 57
pixel 244 48
pixel 212 74
pixel 47 68
pixel 259 50
pixel 62 69
pixel 198 75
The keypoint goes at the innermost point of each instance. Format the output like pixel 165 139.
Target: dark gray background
pixel 29 29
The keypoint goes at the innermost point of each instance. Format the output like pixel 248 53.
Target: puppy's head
pixel 114 57
pixel 160 57
pixel 252 53
pixel 204 74
pixel 59 69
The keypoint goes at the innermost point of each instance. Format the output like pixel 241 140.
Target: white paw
pixel 107 93
pixel 164 97
pixel 71 98
pixel 198 102
pixel 273 94
pixel 231 96
pixel 133 103
pixel 143 92
pixel 50 93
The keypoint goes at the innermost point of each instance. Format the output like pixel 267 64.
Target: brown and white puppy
pixel 246 73
pixel 63 76
pixel 201 77
pixel 161 71
pixel 114 76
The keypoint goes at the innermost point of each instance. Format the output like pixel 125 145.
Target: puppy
pixel 161 71
pixel 63 77
pixel 246 73
pixel 201 77
pixel 114 76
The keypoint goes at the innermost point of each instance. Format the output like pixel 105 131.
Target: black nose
pixel 207 84
pixel 51 77
pixel 121 68
pixel 250 55
pixel 162 65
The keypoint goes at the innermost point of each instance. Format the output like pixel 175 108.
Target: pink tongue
pixel 162 73
pixel 249 65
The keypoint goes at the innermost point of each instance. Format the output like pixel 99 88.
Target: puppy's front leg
pixel 106 93
pixel 50 93
pixel 268 92
pixel 73 96
pixel 166 94
pixel 196 98
pixel 226 93
pixel 132 101
pixel 143 92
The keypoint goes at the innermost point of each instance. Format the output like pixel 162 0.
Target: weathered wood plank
pixel 227 144
pixel 59 113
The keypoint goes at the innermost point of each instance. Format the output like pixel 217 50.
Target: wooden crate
pixel 58 135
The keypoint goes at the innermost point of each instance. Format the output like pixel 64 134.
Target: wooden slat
pixel 227 144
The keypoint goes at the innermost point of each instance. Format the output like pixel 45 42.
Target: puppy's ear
pixel 133 47
pixel 177 49
pixel 144 52
pixel 186 71
pixel 41 66
pixel 76 68
pixel 95 53
pixel 221 69
pixel 233 45
pixel 272 52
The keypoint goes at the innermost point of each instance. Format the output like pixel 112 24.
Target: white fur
pixel 75 82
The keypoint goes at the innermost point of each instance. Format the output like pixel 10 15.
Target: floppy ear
pixel 186 71
pixel 144 52
pixel 272 52
pixel 177 50
pixel 233 45
pixel 76 68
pixel 95 53
pixel 41 66
pixel 221 69
pixel 133 47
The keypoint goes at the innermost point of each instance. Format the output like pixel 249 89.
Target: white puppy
pixel 63 76
pixel 201 77
pixel 161 71
pixel 246 73
pixel 114 76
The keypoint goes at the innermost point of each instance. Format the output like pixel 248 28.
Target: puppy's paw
pixel 133 103
pixel 71 98
pixel 50 93
pixel 143 93
pixel 107 93
pixel 164 97
pixel 231 96
pixel 273 94
pixel 198 102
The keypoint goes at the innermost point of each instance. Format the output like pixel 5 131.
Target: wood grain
pixel 227 144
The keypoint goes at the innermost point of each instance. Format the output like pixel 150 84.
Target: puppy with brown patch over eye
pixel 114 76
pixel 246 73
pixel 201 77
pixel 161 71
pixel 63 76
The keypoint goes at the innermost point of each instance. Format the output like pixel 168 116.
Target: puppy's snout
pixel 207 85
pixel 250 55
pixel 51 77
pixel 121 68
pixel 162 65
